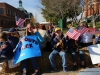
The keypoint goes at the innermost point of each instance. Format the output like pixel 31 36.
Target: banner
pixel 94 51
pixel 27 47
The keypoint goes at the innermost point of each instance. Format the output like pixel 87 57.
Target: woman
pixel 31 31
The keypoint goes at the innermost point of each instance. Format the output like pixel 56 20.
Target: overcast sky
pixel 33 6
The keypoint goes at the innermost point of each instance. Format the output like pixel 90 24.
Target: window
pixel 13 13
pixel 7 11
pixel 1 10
pixel 10 12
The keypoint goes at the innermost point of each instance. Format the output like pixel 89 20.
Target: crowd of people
pixel 54 41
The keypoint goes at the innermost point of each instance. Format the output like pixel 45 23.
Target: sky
pixel 33 6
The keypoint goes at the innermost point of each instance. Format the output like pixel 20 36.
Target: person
pixel 50 30
pixel 86 38
pixel 13 38
pixel 81 25
pixel 73 49
pixel 58 46
pixel 69 26
pixel 31 31
pixel 6 50
pixel 45 35
pixel 98 39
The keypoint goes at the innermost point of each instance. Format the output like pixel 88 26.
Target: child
pixel 73 49
pixel 31 31
pixel 58 45
pixel 6 48
pixel 13 38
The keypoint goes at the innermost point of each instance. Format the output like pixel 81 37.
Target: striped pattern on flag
pixel 19 21
pixel 73 34
pixel 83 30
pixel 91 31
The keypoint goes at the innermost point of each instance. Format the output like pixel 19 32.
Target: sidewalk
pixel 62 73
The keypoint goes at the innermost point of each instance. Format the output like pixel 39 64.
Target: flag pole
pixel 26 31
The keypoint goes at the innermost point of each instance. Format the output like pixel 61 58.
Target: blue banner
pixel 27 47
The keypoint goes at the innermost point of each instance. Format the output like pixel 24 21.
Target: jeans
pixel 71 50
pixel 34 63
pixel 52 56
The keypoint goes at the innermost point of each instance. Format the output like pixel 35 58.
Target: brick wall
pixel 88 10
pixel 7 19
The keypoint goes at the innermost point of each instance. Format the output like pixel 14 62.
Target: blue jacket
pixel 70 42
pixel 13 40
pixel 56 40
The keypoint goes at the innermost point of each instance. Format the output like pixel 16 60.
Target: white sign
pixel 94 51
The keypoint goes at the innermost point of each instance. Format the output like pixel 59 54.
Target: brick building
pixel 7 15
pixel 91 7
pixel 8 12
pixel 28 15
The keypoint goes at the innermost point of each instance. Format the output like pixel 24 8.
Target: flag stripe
pixel 19 21
pixel 74 35
pixel 83 30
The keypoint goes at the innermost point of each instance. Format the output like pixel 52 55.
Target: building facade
pixel 91 7
pixel 28 15
pixel 7 15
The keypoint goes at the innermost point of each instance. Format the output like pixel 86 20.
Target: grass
pixel 97 24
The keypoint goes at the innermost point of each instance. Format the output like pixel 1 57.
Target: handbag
pixel 11 63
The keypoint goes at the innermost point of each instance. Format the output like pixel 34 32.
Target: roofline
pixel 7 4
pixel 10 5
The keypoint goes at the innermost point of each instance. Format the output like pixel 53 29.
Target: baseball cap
pixel 12 29
pixel 57 29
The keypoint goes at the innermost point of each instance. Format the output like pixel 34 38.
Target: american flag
pixel 73 34
pixel 83 30
pixel 19 21
pixel 93 31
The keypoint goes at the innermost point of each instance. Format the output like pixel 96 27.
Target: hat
pixel 57 29
pixel 12 29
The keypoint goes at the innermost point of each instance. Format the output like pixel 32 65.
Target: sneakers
pixel 65 69
pixel 53 69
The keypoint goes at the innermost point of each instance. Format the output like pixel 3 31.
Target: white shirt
pixel 46 37
pixel 87 37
